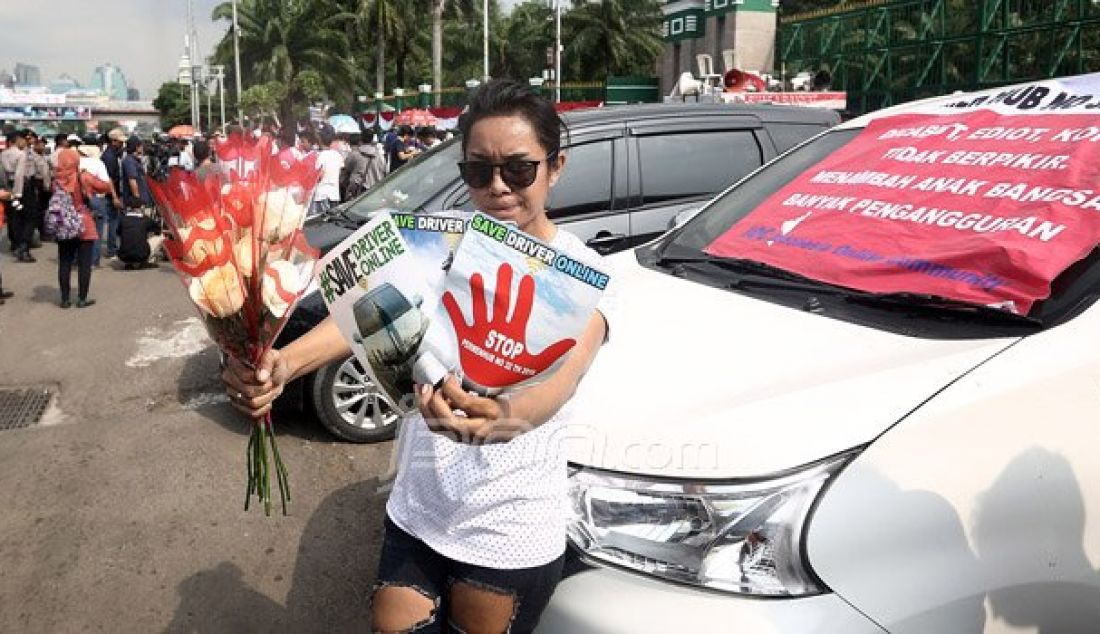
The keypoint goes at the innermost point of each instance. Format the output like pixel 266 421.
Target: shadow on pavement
pixel 335 566
pixel 200 389
pixel 43 294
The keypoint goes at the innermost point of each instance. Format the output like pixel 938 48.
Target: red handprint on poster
pixel 493 350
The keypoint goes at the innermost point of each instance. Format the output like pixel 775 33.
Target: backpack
pixel 63 219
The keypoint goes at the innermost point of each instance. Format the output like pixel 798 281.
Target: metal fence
pixel 888 52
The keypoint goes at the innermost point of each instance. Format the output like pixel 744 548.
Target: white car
pixel 762 451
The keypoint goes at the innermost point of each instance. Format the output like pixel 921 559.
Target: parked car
pixel 868 456
pixel 630 171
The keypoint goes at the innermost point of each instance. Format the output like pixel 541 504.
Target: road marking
pixel 204 399
pixel 185 338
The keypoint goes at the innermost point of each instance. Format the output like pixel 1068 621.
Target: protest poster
pixel 512 306
pixel 381 284
pixel 985 199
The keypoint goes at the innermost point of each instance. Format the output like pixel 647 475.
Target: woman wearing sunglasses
pixel 475 532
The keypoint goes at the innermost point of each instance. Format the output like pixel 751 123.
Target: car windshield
pixel 410 187
pixel 738 203
pixel 737 264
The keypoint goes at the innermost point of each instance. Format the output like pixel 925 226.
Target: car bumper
pixel 607 600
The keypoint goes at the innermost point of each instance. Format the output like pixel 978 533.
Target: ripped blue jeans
pixel 408 562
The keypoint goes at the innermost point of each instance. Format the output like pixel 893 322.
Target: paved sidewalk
pixel 122 512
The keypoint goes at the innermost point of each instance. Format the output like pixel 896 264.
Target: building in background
pixel 109 80
pixel 7 79
pixel 64 84
pixel 738 33
pixel 27 75
pixel 133 94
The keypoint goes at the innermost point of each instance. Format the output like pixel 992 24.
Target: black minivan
pixel 631 170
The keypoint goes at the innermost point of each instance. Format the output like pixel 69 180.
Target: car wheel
pixel 349 405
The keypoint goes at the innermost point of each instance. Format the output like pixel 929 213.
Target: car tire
pixel 348 404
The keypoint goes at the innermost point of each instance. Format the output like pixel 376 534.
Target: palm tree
pixel 377 21
pixel 528 33
pixel 281 38
pixel 625 37
pixel 461 7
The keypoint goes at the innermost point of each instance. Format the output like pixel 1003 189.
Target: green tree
pixel 264 100
pixel 281 38
pixel 171 102
pixel 373 24
pixel 462 7
pixel 612 37
pixel 529 33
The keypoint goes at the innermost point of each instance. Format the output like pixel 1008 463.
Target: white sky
pixel 144 38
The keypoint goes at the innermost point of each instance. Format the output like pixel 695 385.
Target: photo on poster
pixel 381 285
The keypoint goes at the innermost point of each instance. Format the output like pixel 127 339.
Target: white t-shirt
pixel 500 506
pixel 96 168
pixel 331 163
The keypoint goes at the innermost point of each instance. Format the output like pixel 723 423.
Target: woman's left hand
pixel 465 417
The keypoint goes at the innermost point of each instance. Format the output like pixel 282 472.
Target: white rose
pixel 218 292
pixel 242 252
pixel 282 212
pixel 201 248
pixel 280 274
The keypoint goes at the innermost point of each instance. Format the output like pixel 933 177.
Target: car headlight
pixel 743 537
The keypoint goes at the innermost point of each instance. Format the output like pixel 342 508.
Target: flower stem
pixel 251 470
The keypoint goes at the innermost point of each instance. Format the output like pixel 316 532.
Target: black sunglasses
pixel 516 173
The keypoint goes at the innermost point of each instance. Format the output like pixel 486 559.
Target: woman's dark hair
pixel 506 97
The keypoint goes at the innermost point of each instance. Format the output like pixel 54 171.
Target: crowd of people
pixel 105 177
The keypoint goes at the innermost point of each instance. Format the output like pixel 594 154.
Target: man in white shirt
pixel 331 162
pixel 101 204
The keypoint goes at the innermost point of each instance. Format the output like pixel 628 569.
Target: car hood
pixel 702 382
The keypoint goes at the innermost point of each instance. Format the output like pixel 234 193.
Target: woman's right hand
pixel 252 391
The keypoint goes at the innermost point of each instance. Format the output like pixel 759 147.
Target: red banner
pixel 982 207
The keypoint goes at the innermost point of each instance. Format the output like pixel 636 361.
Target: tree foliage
pixel 264 100
pixel 172 103
pixel 337 49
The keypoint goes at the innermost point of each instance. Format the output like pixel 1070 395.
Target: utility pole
pixel 190 46
pixel 220 70
pixel 237 63
pixel 557 51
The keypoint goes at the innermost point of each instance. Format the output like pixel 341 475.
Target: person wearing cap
pixel 26 172
pixel 112 158
pixel 101 203
pixel 36 191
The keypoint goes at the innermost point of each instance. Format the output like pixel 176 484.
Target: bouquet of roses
pixel 237 244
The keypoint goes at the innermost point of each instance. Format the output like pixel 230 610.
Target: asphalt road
pixel 123 510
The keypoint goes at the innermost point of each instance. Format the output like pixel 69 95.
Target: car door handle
pixel 605 241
